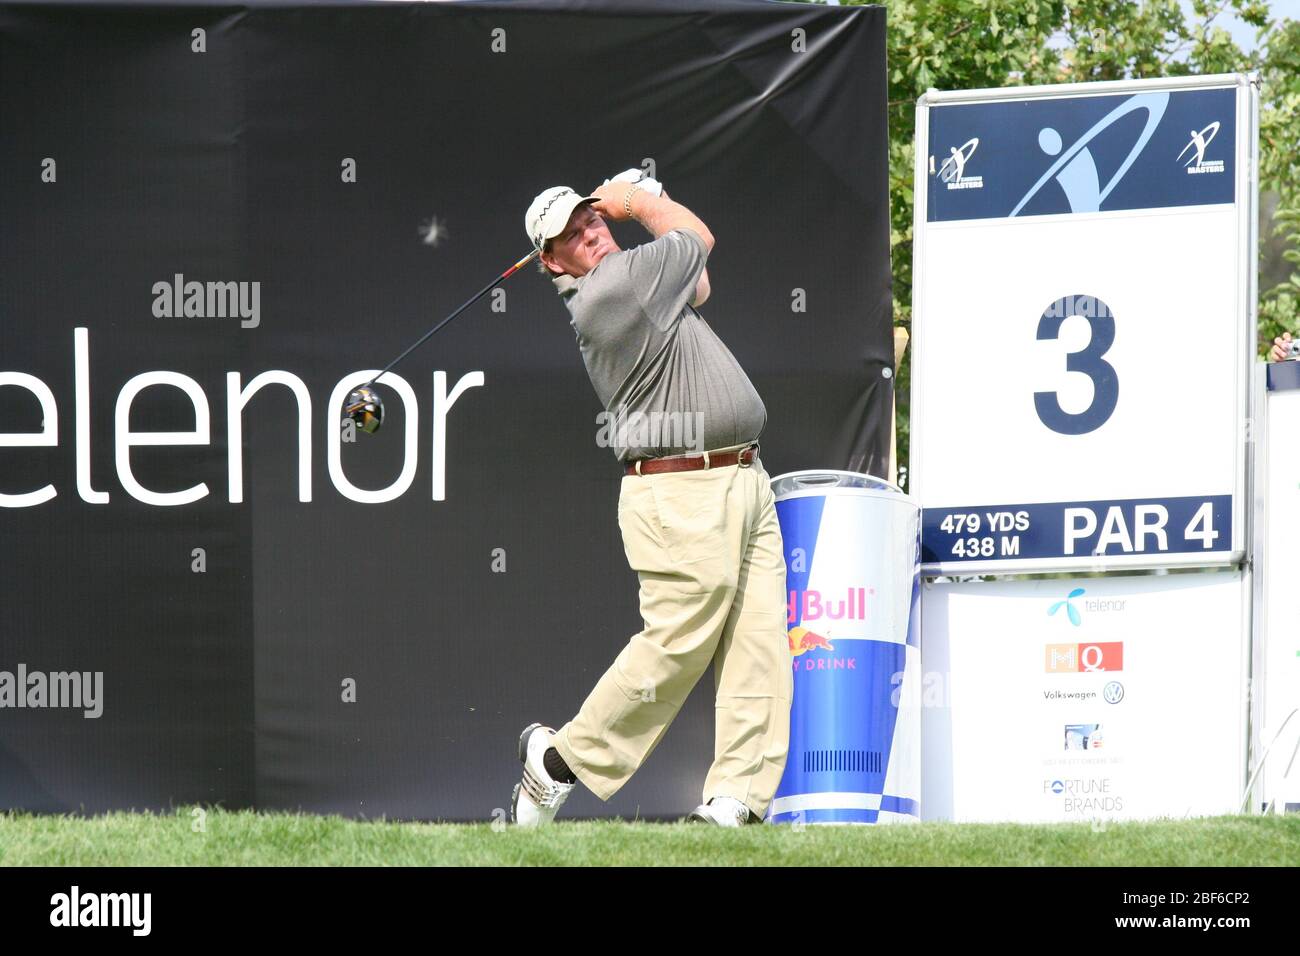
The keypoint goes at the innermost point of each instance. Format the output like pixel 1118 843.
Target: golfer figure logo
pixel 1075 170
pixel 1199 142
pixel 953 170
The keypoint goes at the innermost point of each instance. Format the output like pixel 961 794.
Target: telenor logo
pixel 1070 610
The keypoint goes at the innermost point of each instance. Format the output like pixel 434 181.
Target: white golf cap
pixel 550 212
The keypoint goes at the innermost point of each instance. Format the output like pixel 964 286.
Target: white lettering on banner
pixel 1006 521
pixel 127 438
pixel 1075 532
pixel 442 403
pixel 1114 531
pixel 1201 527
pixel 1159 516
pixel 81 388
pixel 237 398
pixel 48 436
pixel 334 443
pixel 1148 521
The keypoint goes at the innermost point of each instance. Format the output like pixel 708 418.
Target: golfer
pixel 695 509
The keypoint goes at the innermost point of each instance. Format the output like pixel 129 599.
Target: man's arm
pixel 702 288
pixel 663 220
pixel 660 215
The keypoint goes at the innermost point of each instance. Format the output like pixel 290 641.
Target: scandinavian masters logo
pixel 953 170
pixel 1196 162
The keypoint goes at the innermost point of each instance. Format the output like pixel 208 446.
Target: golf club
pixel 365 407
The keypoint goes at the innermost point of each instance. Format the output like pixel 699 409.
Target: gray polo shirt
pixel 668 384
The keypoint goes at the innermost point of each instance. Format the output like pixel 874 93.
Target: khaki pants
pixel 707 548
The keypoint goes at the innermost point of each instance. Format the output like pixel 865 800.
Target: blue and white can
pixel 852 555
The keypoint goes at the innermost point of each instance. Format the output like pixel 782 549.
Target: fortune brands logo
pixel 1084 658
pixel 1084 794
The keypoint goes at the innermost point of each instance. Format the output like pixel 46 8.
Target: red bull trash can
pixel 852 557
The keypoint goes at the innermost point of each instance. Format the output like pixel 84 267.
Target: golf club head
pixel 365 408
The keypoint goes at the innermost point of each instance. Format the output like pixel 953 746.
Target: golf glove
pixel 637 175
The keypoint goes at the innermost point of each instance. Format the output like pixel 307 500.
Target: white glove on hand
pixel 638 176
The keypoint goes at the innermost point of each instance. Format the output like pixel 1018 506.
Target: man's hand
pixel 610 204
pixel 638 176
pixel 658 214
pixel 1282 347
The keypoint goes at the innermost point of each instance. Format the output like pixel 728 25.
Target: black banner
pixel 214 219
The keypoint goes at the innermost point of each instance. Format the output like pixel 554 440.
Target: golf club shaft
pixel 474 298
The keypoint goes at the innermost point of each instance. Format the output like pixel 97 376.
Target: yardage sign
pixel 1083 324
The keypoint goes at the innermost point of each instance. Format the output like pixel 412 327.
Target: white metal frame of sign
pixel 1275 669
pixel 1003 491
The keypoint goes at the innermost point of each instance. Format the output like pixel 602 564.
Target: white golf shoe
pixel 723 812
pixel 537 797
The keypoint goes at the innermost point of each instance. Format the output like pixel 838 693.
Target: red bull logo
pixel 811 606
pixel 803 640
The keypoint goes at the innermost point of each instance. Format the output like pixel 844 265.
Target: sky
pixel 1243 34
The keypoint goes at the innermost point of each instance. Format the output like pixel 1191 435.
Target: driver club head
pixel 365 408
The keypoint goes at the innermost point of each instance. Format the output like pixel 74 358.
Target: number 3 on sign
pixel 1089 361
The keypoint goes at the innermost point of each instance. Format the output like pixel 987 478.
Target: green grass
pixel 277 839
